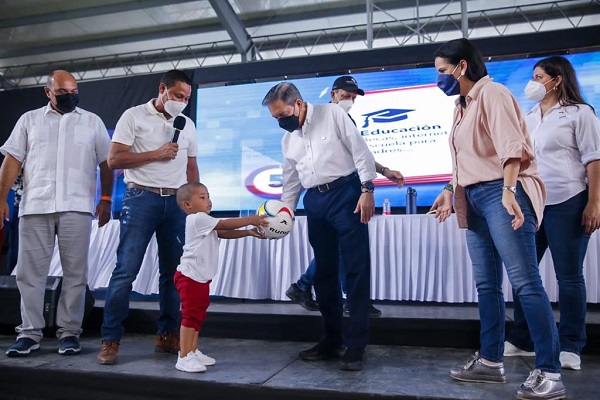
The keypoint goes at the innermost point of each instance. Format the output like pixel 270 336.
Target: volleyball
pixel 280 218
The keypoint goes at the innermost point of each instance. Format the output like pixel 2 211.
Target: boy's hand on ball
pixel 254 232
pixel 258 220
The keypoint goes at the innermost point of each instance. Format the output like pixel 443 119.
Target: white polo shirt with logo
pixel 146 129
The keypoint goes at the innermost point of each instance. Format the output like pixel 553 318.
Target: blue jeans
pixel 492 241
pixel 334 230
pixel 307 279
pixel 143 214
pixel 562 232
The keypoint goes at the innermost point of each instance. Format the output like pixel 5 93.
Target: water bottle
pixel 387 207
pixel 411 201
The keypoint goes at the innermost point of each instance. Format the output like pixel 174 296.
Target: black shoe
pixel 322 352
pixel 373 312
pixel 352 360
pixel 302 297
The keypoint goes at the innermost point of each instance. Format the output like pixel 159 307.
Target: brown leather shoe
pixel 168 343
pixel 108 353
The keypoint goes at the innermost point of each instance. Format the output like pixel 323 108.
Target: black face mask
pixel 67 102
pixel 290 123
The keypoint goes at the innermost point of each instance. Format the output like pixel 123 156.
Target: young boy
pixel 198 266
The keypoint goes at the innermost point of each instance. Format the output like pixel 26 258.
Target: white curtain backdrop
pixel 413 257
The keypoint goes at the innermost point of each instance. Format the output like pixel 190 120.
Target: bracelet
pixel 106 198
pixel 510 189
pixel 449 187
pixel 383 170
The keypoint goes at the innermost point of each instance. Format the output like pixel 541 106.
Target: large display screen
pixel 404 118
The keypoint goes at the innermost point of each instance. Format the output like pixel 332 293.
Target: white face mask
pixel 174 108
pixel 536 91
pixel 346 105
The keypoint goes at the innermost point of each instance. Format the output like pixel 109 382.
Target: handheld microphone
pixel 178 125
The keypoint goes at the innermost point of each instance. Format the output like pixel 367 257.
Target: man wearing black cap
pixel 348 84
pixel 343 93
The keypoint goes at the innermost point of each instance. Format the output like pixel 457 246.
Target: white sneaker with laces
pixel 510 350
pixel 570 360
pixel 203 358
pixel 189 363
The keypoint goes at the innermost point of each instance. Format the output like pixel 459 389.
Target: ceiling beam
pixel 6 84
pixel 532 44
pixel 121 38
pixel 57 16
pixel 214 25
pixel 163 32
pixel 233 25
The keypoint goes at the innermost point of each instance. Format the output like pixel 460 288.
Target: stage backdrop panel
pixel 413 257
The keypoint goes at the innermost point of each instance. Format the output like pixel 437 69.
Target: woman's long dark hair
pixel 569 93
pixel 462 49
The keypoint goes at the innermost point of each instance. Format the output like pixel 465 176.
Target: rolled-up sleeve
pixel 291 181
pixel 362 156
pixel 505 126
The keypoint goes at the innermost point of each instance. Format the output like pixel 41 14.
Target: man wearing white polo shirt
pixel 155 166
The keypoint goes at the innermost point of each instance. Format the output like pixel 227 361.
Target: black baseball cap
pixel 347 83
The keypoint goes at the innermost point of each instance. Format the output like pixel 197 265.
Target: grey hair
pixel 284 91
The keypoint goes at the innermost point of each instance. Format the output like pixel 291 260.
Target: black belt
pixel 334 184
pixel 164 192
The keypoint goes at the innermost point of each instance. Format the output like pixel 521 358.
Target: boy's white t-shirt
pixel 200 257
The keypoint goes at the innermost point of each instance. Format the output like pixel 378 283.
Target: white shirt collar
pixel 50 109
pixel 308 119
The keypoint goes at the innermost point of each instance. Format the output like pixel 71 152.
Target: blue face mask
pixel 448 83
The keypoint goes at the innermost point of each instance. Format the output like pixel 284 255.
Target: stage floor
pixel 262 369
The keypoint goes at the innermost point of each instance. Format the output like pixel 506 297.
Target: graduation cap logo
pixel 386 115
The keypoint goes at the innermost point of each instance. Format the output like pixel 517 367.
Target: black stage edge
pixel 256 343
pixel 434 325
pixel 402 323
pixel 251 369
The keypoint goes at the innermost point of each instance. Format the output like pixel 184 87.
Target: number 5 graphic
pixel 276 180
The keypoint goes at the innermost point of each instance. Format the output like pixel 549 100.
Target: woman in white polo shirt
pixel 566 135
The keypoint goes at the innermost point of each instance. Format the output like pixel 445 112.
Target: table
pixel 413 257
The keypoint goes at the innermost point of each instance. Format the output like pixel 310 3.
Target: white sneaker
pixel 189 363
pixel 510 350
pixel 570 360
pixel 203 358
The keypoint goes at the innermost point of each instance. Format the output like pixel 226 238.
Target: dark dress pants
pixel 333 231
